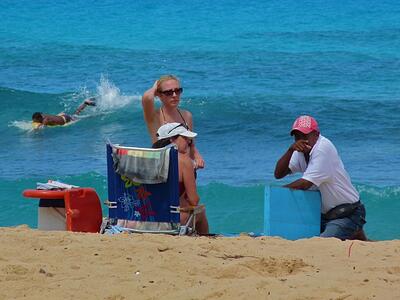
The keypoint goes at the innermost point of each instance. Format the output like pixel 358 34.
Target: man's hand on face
pixel 301 146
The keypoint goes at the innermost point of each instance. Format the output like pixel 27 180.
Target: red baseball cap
pixel 305 124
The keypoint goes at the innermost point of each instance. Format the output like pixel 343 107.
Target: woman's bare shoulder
pixel 185 161
pixel 186 114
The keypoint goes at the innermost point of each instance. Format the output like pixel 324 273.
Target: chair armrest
pixel 110 204
pixel 193 209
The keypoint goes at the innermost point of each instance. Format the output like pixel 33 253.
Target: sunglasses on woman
pixel 189 140
pixel 171 92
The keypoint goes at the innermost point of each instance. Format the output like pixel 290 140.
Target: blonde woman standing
pixel 168 90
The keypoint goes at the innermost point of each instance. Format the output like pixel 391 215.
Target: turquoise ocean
pixel 248 69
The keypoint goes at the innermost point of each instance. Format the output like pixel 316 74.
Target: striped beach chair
pixel 142 207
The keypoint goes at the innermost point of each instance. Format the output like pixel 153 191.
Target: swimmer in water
pixel 40 119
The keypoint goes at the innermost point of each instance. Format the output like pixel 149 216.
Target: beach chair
pixel 140 204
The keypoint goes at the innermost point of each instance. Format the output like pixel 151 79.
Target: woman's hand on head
pixel 154 88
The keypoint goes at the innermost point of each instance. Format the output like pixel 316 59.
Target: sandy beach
pixel 63 265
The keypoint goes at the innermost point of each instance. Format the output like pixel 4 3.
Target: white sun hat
pixel 173 129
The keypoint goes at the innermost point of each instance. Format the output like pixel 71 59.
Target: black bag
pixel 341 211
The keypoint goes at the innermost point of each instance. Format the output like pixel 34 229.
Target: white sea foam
pixel 23 125
pixel 109 96
pixel 108 100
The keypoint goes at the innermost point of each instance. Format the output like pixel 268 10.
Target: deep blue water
pixel 248 69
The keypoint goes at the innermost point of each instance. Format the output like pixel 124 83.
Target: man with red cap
pixel 343 215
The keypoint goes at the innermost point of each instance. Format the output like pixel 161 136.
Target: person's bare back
pixel 40 119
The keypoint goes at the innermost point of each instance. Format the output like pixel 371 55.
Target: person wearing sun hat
pixel 170 133
pixel 169 90
pixel 178 134
pixel 174 129
pixel 343 214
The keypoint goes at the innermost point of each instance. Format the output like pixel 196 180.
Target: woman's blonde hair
pixel 165 78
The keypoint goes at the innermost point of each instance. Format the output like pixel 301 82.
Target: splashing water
pixel 109 96
pixel 108 100
pixel 23 125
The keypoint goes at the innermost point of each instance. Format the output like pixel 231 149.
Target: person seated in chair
pixel 40 119
pixel 343 214
pixel 178 134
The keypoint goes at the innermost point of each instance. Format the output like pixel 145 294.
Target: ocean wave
pixel 108 96
pixel 230 209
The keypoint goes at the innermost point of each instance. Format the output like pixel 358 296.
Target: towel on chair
pixel 142 165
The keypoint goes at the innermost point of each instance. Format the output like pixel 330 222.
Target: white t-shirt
pixel 325 169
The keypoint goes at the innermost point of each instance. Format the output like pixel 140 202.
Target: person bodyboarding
pixel 40 120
